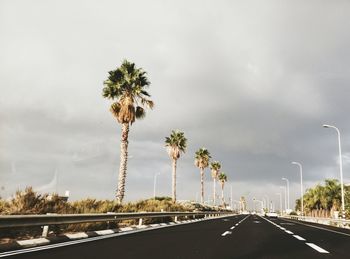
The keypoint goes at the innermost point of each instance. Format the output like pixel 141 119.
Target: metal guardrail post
pixel 45 231
pixel 46 228
pixel 175 219
pixel 140 221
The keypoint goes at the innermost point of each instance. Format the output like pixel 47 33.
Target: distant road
pixel 243 236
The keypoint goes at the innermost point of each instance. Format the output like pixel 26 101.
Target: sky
pixel 252 81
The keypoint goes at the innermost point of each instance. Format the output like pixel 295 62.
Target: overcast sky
pixel 252 81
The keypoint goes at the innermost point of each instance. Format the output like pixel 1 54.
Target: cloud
pixel 252 82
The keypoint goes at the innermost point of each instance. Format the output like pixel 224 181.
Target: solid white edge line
pixel 317 248
pixel 91 239
pixel 329 230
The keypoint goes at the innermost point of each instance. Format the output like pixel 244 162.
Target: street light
pixel 281 209
pixel 261 204
pixel 267 203
pixel 285 197
pixel 340 168
pixel 154 184
pixel 231 201
pixel 285 179
pixel 239 204
pixel 301 186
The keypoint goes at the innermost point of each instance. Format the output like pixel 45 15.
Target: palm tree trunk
pixel 222 194
pixel 123 162
pixel 174 180
pixel 214 191
pixel 202 185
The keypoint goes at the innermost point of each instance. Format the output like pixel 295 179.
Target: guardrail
pixel 59 219
pixel 343 223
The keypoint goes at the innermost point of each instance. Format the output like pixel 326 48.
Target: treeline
pixel 324 199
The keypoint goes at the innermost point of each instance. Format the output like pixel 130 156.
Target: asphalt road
pixel 243 236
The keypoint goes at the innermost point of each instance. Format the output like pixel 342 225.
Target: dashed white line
pixel 232 227
pixel 226 233
pixel 299 237
pixel 317 248
pixel 312 245
pixel 326 229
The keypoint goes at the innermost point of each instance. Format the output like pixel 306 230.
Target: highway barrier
pixel 11 221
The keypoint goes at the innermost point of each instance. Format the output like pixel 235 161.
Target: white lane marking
pixel 226 233
pixel 290 224
pixel 312 245
pixel 232 227
pixel 86 240
pixel 256 221
pixel 329 230
pixel 317 248
pixel 237 224
pixel 299 237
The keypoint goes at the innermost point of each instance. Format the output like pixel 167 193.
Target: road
pixel 242 236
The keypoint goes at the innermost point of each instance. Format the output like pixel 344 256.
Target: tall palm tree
pixel 176 144
pixel 126 86
pixel 202 158
pixel 215 169
pixel 222 178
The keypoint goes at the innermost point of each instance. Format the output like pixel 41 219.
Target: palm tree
pixel 176 144
pixel 202 158
pixel 215 169
pixel 126 86
pixel 222 178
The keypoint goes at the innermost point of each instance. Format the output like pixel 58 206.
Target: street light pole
pixel 231 198
pixel 285 179
pixel 301 187
pixel 340 168
pixel 267 203
pixel 155 184
pixel 285 197
pixel 281 209
pixel 261 204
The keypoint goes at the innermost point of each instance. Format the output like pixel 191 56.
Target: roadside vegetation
pixel 30 202
pixel 324 200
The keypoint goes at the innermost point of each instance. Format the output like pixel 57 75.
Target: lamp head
pixel 326 126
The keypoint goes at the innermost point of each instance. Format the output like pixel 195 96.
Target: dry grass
pixel 30 202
